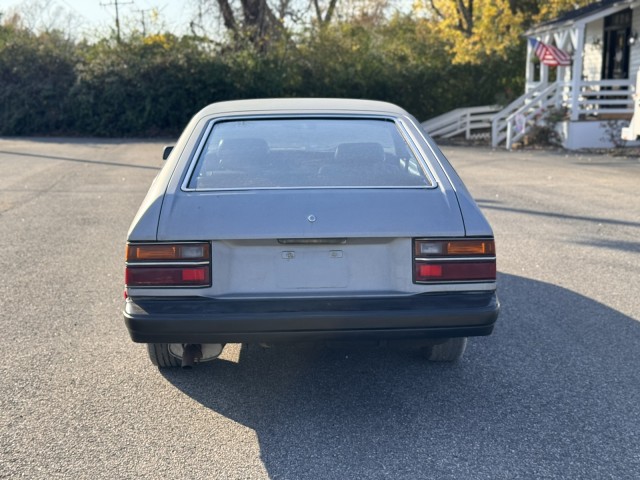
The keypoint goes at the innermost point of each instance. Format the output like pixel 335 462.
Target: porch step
pixel 609 116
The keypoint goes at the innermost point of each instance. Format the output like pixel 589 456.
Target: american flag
pixel 550 55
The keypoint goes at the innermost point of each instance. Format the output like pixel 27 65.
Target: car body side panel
pixel 144 226
pixel 476 225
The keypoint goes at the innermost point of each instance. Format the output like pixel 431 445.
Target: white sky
pixel 94 19
pixel 86 16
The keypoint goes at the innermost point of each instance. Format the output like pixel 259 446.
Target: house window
pixel 537 75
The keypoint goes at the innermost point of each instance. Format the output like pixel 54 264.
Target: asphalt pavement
pixel 553 393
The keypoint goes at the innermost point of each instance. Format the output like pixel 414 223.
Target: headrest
pixel 363 153
pixel 239 153
pixel 233 146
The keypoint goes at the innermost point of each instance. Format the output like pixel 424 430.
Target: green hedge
pixel 152 85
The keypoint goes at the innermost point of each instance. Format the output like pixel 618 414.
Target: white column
pixel 561 73
pixel 544 73
pixel 576 74
pixel 529 68
pixel 544 69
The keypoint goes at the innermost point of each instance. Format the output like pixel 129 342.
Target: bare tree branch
pixel 228 17
pixel 465 16
pixel 318 11
pixel 332 8
pixel 435 9
pixel 283 9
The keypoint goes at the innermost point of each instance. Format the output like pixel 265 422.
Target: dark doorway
pixel 615 59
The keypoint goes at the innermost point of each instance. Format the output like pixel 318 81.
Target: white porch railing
pixel 474 122
pixel 595 99
pixel 616 96
pixel 604 97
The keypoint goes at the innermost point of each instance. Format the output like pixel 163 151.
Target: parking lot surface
pixel 553 393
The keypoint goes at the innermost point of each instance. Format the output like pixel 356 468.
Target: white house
pixel 590 99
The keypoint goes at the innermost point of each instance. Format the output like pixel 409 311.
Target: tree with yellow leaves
pixel 475 30
pixel 550 9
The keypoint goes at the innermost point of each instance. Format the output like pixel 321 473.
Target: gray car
pixel 307 220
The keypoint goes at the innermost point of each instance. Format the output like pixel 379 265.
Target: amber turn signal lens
pixel 471 247
pixel 466 247
pixel 151 252
pixel 167 252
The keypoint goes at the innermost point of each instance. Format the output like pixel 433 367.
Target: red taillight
pixel 195 275
pixel 168 265
pixel 426 271
pixel 455 260
pixel 455 271
pixel 166 276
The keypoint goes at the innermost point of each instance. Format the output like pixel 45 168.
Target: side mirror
pixel 167 151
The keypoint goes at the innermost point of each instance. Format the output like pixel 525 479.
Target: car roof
pixel 302 105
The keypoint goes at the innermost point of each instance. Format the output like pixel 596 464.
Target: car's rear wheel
pixel 450 350
pixel 161 357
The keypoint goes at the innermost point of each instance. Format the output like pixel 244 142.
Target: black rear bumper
pixel 205 320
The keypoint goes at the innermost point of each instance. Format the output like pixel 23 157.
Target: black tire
pixel 449 351
pixel 160 356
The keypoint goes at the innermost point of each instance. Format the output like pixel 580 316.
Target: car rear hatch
pixel 311 242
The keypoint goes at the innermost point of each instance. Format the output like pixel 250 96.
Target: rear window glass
pixel 306 152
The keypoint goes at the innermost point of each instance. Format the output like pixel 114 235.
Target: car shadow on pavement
pixel 552 393
pixel 484 204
